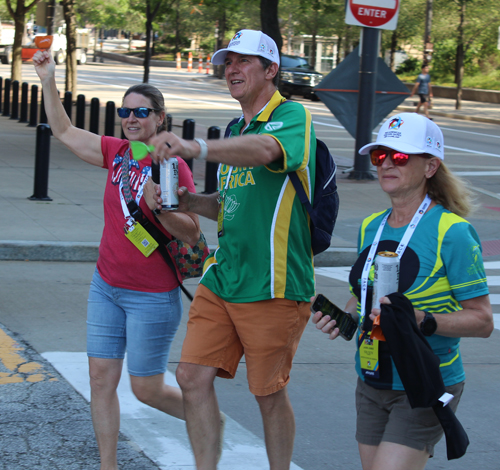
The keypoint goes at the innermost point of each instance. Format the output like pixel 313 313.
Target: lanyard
pixel 399 251
pixel 125 188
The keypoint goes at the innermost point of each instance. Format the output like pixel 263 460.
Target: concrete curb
pixel 12 250
pixel 462 117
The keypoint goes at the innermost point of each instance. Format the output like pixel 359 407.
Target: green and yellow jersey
pixel 265 251
pixel 441 266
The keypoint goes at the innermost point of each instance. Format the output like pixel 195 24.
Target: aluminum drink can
pixel 386 276
pixel 169 183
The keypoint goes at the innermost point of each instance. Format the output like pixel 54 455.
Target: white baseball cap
pixel 410 133
pixel 249 42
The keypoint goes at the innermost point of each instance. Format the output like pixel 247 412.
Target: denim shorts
pixel 142 323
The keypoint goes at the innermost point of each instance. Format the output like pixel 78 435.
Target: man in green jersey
pixel 255 290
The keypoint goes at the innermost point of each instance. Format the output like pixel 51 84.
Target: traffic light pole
pixel 366 101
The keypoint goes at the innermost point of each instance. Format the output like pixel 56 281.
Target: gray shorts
pixel 386 415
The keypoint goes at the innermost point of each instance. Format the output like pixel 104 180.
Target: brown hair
pixel 450 191
pixel 155 96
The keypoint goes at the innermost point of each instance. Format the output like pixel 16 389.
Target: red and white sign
pixel 381 14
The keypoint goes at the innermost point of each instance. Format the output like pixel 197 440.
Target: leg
pixel 391 456
pixel 426 109
pixel 105 409
pixel 154 392
pixel 201 411
pixel 279 428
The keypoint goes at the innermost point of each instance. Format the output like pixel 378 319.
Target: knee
pixel 268 403
pixel 102 382
pixel 191 377
pixel 144 394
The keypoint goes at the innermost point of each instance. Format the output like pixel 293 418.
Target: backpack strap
pixel 299 189
pixel 228 128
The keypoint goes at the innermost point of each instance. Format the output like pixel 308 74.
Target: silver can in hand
pixel 386 276
pixel 169 183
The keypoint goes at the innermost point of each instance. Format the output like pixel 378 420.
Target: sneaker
pixel 221 438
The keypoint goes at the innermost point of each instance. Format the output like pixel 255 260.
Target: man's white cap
pixel 249 42
pixel 410 133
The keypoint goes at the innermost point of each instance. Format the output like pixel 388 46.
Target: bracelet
pixel 204 149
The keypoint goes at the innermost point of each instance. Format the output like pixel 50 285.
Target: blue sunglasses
pixel 138 112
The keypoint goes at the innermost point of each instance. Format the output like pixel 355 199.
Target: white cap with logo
pixel 249 42
pixel 409 133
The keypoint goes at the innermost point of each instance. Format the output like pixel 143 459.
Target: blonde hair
pixel 450 191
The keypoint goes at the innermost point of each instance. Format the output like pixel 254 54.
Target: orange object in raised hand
pixel 43 42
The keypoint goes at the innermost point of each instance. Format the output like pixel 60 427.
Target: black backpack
pixel 325 207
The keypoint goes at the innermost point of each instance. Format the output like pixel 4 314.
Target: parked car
pixel 298 77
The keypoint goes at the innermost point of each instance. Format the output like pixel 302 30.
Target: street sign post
pixel 373 15
pixel 380 14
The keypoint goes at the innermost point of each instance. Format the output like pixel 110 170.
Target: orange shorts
pixel 267 332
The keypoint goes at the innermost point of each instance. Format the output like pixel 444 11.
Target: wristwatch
pixel 429 325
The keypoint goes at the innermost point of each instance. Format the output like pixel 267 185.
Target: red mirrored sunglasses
pixel 398 158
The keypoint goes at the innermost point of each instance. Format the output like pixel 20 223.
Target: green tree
pixel 469 23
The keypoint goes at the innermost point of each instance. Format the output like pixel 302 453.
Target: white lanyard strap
pixel 399 251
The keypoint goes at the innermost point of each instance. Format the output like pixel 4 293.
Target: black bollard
pixel 80 111
pixel 211 167
pixel 1 90
pixel 42 155
pixel 24 103
pixel 6 99
pixel 68 103
pixel 168 118
pixel 43 114
pixel 33 106
pixel 188 134
pixel 15 100
pixel 94 116
pixel 109 123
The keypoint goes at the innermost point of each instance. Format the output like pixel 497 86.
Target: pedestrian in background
pixel 254 297
pixel 134 301
pixel 441 274
pixel 424 89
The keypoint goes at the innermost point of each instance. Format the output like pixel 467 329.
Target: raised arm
pixel 83 144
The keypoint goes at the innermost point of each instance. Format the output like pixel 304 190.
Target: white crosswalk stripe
pixel 492 274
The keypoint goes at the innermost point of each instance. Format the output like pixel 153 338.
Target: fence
pixel 10 106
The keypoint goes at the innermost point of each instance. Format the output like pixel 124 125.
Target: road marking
pixel 477 173
pixel 469 132
pixel 163 438
pixel 14 368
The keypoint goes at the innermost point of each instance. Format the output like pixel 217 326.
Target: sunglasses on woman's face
pixel 138 112
pixel 398 158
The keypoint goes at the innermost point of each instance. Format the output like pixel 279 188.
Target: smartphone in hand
pixel 345 323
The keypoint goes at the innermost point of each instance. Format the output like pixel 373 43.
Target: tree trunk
pixel 314 47
pixel 459 70
pixel 147 53
pixel 177 29
pixel 71 72
pixel 269 21
pixel 394 45
pixel 16 66
pixel 220 42
pixel 428 27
